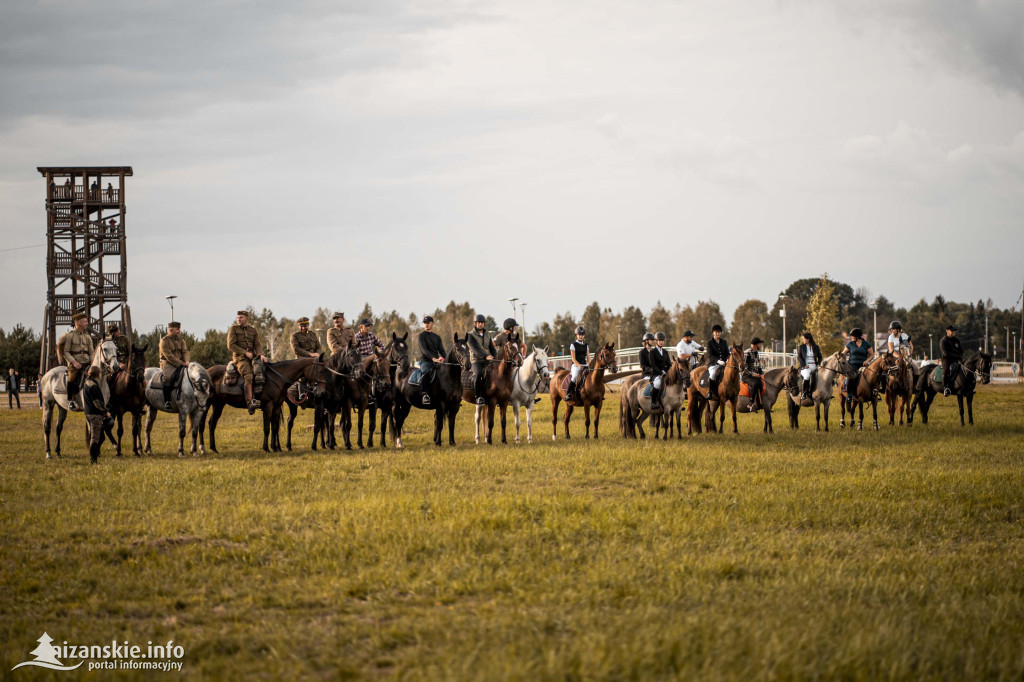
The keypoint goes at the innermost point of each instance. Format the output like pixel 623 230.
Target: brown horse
pixel 362 395
pixel 309 391
pixel 590 393
pixel 128 396
pixel 872 376
pixel 499 389
pixel 899 390
pixel 279 376
pixel 728 392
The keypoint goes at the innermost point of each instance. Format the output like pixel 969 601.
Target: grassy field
pixel 854 555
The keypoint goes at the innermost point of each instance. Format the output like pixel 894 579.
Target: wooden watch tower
pixel 86 263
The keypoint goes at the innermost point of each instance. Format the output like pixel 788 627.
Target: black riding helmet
pixel 480 318
pixel 510 323
pixel 648 336
pixel 581 330
pixel 660 336
pixel 895 324
pixel 857 333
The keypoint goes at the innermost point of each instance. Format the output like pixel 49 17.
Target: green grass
pixel 855 555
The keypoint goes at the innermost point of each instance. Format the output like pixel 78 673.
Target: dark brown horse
pixel 128 396
pixel 444 391
pixel 306 393
pixel 374 382
pixel 872 378
pixel 279 376
pixel 499 389
pixel 699 399
pixel 965 382
pixel 589 394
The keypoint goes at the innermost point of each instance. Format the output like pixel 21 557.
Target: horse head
pixel 512 351
pixel 316 376
pixel 843 365
pixel 201 382
pixel 105 357
pixel 379 369
pixel 353 362
pixel 682 366
pixel 983 366
pixel 606 358
pixel 460 352
pixel 398 352
pixel 540 359
pixel 137 362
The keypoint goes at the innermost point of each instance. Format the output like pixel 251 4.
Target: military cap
pixel 113 327
pixel 337 315
pixel 303 320
pixel 174 325
pixel 78 316
pixel 243 312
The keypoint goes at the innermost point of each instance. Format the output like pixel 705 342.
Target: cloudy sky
pixel 290 155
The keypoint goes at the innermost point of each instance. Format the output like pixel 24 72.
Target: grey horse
pixel 828 370
pixel 774 386
pixel 526 383
pixel 54 387
pixel 189 401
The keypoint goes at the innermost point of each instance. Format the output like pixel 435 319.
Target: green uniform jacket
pixel 77 346
pixel 173 353
pixel 124 348
pixel 305 344
pixel 242 340
pixel 340 339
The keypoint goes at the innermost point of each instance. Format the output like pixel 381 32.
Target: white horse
pixel 195 392
pixel 55 390
pixel 526 383
pixel 828 370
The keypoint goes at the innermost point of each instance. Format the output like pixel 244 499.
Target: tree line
pixel 822 305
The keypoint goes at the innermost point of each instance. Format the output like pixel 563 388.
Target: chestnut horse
pixel 872 375
pixel 590 393
pixel 128 395
pixel 899 391
pixel 699 398
pixel 499 389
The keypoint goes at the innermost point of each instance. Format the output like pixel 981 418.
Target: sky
pixel 304 154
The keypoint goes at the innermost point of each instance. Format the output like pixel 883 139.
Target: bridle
pixel 541 369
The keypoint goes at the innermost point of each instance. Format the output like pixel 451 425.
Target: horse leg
pixel 529 421
pixel 828 404
pixel 586 421
pixel 874 412
pixel 181 434
pixel 372 426
pixel 194 424
pixel 679 423
pixel 120 433
pixel 959 401
pixel 150 420
pixel 62 414
pixel 359 425
pixel 47 420
pixel 490 423
pixel 597 419
pixel 438 424
pixel 638 423
pixel 137 433
pixel 504 439
pixel 292 411
pixel 453 411
pixel 732 407
pixel 516 408
pixel 768 428
pixel 568 413
pixel 970 408
pixel 214 418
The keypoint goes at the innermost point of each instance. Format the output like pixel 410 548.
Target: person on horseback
pixel 752 373
pixel 579 354
pixel 244 344
pixel 174 359
pixel 809 357
pixel 718 354
pixel 339 337
pixel 899 341
pixel 305 344
pixel 77 346
pixel 952 356
pixel 860 353
pixel 686 348
pixel 431 355
pixel 481 351
pixel 366 340
pixel 647 369
pixel 510 332
pixel 123 344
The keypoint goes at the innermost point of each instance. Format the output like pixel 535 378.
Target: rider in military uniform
pixel 481 351
pixel 77 345
pixel 305 343
pixel 339 337
pixel 173 354
pixel 244 344
pixel 124 345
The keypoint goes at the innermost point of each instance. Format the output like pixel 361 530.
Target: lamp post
pixel 931 349
pixel 1015 348
pixel 873 304
pixel 782 314
pixel 522 309
pixel 170 299
pixel 1007 342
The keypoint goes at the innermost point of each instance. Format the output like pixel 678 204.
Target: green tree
pixel 660 319
pixel 706 315
pixel 749 320
pixel 683 320
pixel 212 349
pixel 632 326
pixel 563 330
pixel 591 320
pixel 19 350
pixel 823 317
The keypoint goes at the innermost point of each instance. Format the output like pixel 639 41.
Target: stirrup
pixel 167 405
pixel 72 405
pixel 424 399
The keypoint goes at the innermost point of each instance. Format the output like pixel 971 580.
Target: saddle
pixel 467 380
pixel 176 379
pixel 745 388
pixel 231 375
pixel 649 388
pixel 938 374
pixel 416 377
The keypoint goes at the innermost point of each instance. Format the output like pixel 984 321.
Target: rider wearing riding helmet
pixel 579 354
pixel 899 341
pixel 952 355
pixel 510 333
pixel 481 351
pixel 752 373
pixel 650 368
pixel 718 354
pixel 809 356
pixel 860 352
pixel 431 354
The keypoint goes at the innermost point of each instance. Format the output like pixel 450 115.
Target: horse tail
pixel 624 414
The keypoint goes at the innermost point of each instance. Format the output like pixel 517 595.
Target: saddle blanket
pixel 416 377
pixel 565 383
pixel 937 375
pixel 745 390
pixel 467 380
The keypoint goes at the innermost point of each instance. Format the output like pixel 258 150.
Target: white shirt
pixel 896 342
pixel 684 348
pixel 809 356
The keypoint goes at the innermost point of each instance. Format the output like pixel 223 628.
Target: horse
pixel 978 365
pixel 499 389
pixel 829 368
pixel 590 391
pixel 774 386
pixel 53 389
pixel 375 381
pixel 635 407
pixel 728 392
pixel 871 377
pixel 444 391
pixel 278 377
pixel 190 400
pixel 526 384
pixel 309 391
pixel 128 395
pixel 342 367
pixel 397 352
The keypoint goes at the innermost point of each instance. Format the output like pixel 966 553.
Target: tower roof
pixel 101 170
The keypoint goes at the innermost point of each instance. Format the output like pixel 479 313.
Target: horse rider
pixel 860 353
pixel 718 354
pixel 366 340
pixel 481 351
pixel 509 332
pixel 579 354
pixel 77 345
pixel 686 348
pixel 123 344
pixel 339 337
pixel 647 369
pixel 952 356
pixel 809 357
pixel 305 344
pixel 244 344
pixel 174 359
pixel 431 355
pixel 97 412
pixel 899 341
pixel 753 373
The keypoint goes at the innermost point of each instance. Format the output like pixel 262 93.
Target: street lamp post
pixel 873 303
pixel 931 349
pixel 782 314
pixel 1007 342
pixel 1015 348
pixel 522 309
pixel 170 299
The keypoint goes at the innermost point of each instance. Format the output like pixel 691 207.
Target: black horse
pixel 444 391
pixel 978 365
pixel 397 353
pixel 342 368
pixel 307 393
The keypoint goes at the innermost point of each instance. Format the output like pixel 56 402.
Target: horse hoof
pixel 48 456
pixel 554 437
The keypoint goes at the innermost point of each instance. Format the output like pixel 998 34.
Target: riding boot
pixel 569 391
pixel 478 389
pixel 251 402
pixel 94 453
pixel 805 393
pixel 655 398
pixel 167 388
pixel 72 392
